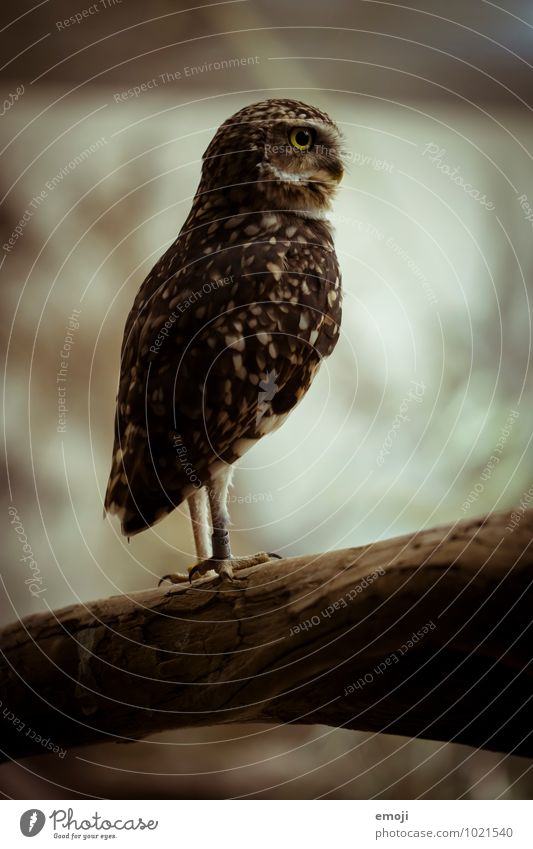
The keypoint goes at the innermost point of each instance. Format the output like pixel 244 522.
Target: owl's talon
pixel 199 570
pixel 251 560
pixel 225 568
pixel 173 578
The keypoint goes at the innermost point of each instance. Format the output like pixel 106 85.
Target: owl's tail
pixel 134 493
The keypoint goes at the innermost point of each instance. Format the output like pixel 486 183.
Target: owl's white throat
pixel 285 176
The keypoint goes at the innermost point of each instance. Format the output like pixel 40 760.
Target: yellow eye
pixel 301 138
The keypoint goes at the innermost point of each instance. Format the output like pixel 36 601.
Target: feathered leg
pixel 221 559
pixel 197 503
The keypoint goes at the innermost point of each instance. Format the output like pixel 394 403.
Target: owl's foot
pixel 226 567
pixel 174 578
pixel 223 568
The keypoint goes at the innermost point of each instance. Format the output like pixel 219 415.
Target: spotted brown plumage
pixel 247 296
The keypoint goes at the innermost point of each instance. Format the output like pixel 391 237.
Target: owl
pixel 231 325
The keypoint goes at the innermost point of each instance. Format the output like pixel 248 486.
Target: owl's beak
pixel 332 173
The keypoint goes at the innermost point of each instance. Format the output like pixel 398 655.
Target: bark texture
pixel 425 635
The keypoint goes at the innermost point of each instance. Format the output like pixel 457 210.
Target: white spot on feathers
pixel 275 270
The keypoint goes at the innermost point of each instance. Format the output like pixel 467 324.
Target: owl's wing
pixel 133 490
pixel 166 344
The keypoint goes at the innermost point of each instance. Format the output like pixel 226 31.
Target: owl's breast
pixel 313 280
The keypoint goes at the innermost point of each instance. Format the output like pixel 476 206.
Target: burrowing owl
pixel 229 328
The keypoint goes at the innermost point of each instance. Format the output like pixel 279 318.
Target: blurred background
pixel 107 109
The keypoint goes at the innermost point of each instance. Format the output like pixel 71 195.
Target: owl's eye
pixel 301 138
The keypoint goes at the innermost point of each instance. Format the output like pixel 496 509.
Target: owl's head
pixel 276 154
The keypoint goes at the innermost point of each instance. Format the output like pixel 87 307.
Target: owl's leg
pixel 198 509
pixel 197 503
pixel 222 560
pixel 217 494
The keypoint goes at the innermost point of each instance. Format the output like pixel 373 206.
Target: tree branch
pixel 425 635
